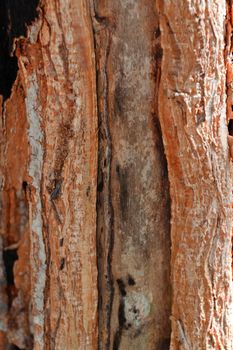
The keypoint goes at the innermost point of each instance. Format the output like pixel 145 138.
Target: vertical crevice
pixel 164 342
pixel 105 214
pixel 229 82
pixel 9 258
pixel 104 208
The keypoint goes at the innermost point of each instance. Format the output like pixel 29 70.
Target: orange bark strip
pixel 192 111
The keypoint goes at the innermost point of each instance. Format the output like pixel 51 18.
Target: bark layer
pixel 85 205
pixel 51 155
pixel 67 50
pixel 192 111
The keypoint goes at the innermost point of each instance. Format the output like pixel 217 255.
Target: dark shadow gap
pixel 13 347
pixel 9 258
pixel 230 127
pixel 15 16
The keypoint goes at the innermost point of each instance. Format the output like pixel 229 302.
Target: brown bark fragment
pixel 193 118
pixel 57 81
pixel 14 220
pixel 67 72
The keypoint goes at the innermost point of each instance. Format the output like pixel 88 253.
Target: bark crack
pixel 105 214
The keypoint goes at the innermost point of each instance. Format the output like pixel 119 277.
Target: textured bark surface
pixel 89 247
pixel 192 110
pixel 229 80
pixel 51 120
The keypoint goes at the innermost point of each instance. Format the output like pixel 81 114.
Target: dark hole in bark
pixel 15 16
pixel 62 264
pixel 157 32
pixel 230 127
pixel 121 314
pixel 131 281
pixel 158 52
pixel 88 191
pixel 13 347
pixel 121 287
pixel 24 185
pixel 9 258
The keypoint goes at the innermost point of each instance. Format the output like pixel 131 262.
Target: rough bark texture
pixel 92 92
pixel 229 80
pixel 51 119
pixel 192 111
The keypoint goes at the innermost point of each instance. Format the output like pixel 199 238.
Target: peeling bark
pixel 102 244
pixel 56 98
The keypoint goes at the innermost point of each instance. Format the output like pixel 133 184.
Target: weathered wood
pixel 133 207
pixel 57 98
pixel 192 111
pixel 95 98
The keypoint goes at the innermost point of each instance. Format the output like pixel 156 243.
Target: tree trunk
pixel 116 198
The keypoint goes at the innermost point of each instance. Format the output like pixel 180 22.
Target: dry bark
pixel 55 91
pixel 192 111
pixel 85 239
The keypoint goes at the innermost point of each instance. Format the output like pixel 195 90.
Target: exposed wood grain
pixel 133 204
pixel 57 100
pixel 94 93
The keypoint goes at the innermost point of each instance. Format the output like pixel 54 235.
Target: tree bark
pixel 192 112
pixel 116 176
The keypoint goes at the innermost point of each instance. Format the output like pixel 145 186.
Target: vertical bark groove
pixel 105 215
pixel 115 174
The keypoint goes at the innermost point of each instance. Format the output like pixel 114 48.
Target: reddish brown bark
pixel 192 111
pixel 96 98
